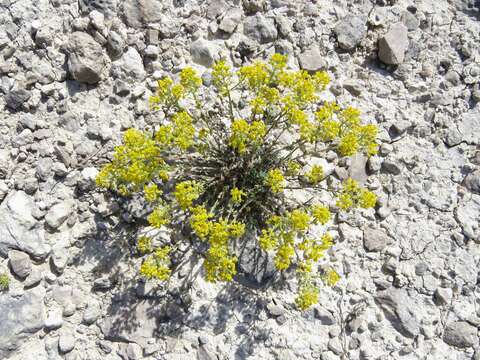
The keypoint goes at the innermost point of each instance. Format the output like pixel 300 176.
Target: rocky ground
pixel 73 75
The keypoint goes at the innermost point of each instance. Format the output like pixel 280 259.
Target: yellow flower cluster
pixel 353 196
pixel 321 214
pixel 275 180
pixel 132 166
pixel 315 175
pixel 169 94
pixel 299 220
pixel 151 192
pixel 221 77
pixel 159 216
pixel 331 277
pixel 156 266
pixel 307 296
pixel 237 195
pixel 144 244
pixel 243 134
pixel 186 193
pixel 222 173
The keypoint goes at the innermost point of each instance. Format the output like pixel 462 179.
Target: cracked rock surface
pixel 74 74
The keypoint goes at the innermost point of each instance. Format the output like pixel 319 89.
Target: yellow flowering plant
pixel 229 172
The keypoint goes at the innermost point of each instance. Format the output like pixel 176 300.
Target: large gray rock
pixel 399 309
pixel 20 317
pixel 19 229
pixel 20 263
pixel 204 52
pixel 350 31
pixel 460 334
pixel 260 28
pixel 85 58
pixel 469 126
pixel 392 47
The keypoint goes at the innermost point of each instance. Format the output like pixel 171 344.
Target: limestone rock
pixel 392 47
pixel 374 239
pixel 260 28
pixel 312 60
pixel 85 58
pixel 399 310
pixel 20 318
pixel 58 213
pixel 20 263
pixel 460 334
pixel 19 229
pixel 350 31
pixel 204 52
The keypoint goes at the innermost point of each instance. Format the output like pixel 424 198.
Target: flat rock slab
pixel 132 320
pixel 19 229
pixel 20 317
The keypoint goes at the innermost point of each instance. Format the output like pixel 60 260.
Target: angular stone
pixel 138 13
pixel 311 60
pixel 204 52
pixel 106 7
pixel 350 31
pixel 260 28
pixel 230 20
pixel 19 229
pixel 399 309
pixel 85 58
pixel 460 334
pixel 20 263
pixel 15 98
pixel 443 296
pixel 129 67
pixel 54 319
pixel 472 181
pixel 392 47
pixel 58 213
pixel 20 318
pixel 374 239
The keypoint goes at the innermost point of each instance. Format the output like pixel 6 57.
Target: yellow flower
pixel 219 264
pixel 275 180
pixel 186 193
pixel 315 175
pixel 307 296
pixel 159 216
pixel 321 214
pixel 283 256
pixel 348 145
pixel 189 79
pixel 200 221
pixel 299 220
pixel 331 277
pixel 144 244
pixel 156 266
pixel 151 192
pixel 367 199
pixel 183 130
pixel 236 229
pixel 237 195
pixel 268 240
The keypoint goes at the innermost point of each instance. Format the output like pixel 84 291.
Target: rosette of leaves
pixel 229 168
